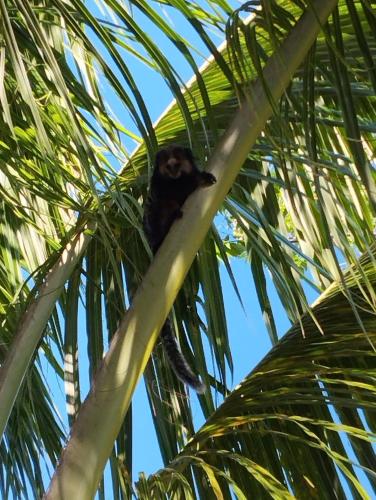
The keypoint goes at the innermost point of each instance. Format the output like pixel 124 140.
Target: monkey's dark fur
pixel 174 178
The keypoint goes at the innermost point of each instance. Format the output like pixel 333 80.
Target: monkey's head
pixel 174 161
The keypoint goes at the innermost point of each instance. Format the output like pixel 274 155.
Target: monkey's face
pixel 175 161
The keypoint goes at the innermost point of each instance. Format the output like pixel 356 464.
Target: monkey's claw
pixel 208 179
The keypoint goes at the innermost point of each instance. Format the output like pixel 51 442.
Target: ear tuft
pixel 188 153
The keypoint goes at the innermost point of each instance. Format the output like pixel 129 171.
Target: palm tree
pixel 298 93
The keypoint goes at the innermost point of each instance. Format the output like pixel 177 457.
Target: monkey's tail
pixel 177 360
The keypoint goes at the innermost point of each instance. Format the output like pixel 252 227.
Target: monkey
pixel 175 177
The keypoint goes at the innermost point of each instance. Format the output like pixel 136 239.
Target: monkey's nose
pixel 172 162
pixel 173 165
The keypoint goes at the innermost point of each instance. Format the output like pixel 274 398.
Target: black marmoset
pixel 174 178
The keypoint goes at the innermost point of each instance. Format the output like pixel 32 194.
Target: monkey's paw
pixel 208 179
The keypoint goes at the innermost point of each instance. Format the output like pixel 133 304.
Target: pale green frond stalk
pixel 100 418
pixel 34 321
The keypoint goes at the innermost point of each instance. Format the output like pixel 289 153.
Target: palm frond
pixel 290 424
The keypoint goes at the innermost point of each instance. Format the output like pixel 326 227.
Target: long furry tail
pixel 177 360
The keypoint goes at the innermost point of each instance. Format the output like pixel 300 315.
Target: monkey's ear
pixel 160 157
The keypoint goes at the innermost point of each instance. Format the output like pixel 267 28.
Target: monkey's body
pixel 175 177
